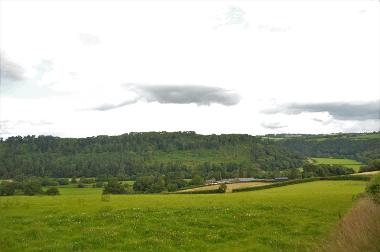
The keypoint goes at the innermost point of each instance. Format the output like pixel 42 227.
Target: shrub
pixel 81 185
pixel 114 187
pixel 73 180
pixel 222 188
pixel 48 182
pixel 98 184
pixel 32 188
pixel 373 188
pixel 7 188
pixel 197 180
pixel 373 165
pixel 52 191
pixel 86 180
pixel 172 187
pixel 63 181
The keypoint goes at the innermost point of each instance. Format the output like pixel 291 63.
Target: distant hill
pixel 182 153
pixel 134 154
pixel 359 146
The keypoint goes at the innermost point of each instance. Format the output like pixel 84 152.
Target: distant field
pixel 368 173
pixel 230 187
pixel 367 136
pixel 340 161
pixel 291 218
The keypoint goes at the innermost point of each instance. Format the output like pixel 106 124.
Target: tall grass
pixel 358 231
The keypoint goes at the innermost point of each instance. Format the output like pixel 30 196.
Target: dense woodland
pixel 352 146
pixel 135 154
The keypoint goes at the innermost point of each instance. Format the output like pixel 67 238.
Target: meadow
pixel 291 218
pixel 350 163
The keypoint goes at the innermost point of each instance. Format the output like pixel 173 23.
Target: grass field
pixel 230 187
pixel 340 161
pixel 291 218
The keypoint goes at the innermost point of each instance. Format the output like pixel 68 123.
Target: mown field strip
pixel 230 187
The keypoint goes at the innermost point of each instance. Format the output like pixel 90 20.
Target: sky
pixel 87 68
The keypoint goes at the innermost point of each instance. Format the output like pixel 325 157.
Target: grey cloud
pixel 323 121
pixel 10 70
pixel 273 125
pixel 177 94
pixel 108 106
pixel 89 39
pixel 338 110
pixel 185 94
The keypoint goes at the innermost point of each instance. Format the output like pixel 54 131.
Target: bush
pixel 63 181
pixel 373 188
pixel 172 187
pixel 114 187
pixel 73 180
pixel 98 184
pixel 52 191
pixel 32 188
pixel 48 182
pixel 81 185
pixel 373 165
pixel 86 180
pixel 197 180
pixel 7 188
pixel 222 188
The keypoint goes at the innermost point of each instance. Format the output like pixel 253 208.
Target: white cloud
pixel 267 53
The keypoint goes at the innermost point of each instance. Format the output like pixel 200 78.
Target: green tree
pixel 32 188
pixel 7 188
pixel 197 180
pixel 114 187
pixel 52 191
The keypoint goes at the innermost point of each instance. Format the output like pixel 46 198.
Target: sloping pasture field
pixel 291 218
pixel 350 163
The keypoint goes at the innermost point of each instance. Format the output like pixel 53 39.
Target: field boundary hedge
pixel 202 191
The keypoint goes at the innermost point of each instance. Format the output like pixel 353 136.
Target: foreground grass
pixel 350 163
pixel 292 218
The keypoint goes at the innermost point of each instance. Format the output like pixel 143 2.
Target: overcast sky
pixel 84 68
